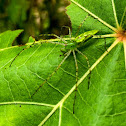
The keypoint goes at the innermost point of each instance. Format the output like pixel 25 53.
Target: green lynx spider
pixel 69 47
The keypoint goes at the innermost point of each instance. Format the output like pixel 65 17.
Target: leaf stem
pixel 104 36
pixel 26 103
pixel 114 11
pixel 99 60
pixel 79 82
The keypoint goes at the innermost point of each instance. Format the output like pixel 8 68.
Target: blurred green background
pixel 34 16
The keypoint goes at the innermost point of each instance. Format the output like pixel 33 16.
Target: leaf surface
pixel 102 104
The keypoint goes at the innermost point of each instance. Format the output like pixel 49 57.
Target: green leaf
pixel 6 38
pixel 102 104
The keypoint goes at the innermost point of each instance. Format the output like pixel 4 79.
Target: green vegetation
pixel 102 104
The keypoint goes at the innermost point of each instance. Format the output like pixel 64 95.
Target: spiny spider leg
pixel 16 56
pixel 76 65
pixel 68 28
pixel 54 36
pixel 101 36
pixel 81 24
pixel 20 53
pixel 68 53
pixel 48 41
pixel 34 45
pixel 88 66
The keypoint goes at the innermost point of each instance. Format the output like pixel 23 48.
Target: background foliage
pixel 34 16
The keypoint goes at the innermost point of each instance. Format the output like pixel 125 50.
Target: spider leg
pixel 81 24
pixel 88 66
pixel 68 53
pixel 54 36
pixel 68 28
pixel 33 44
pixel 76 65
